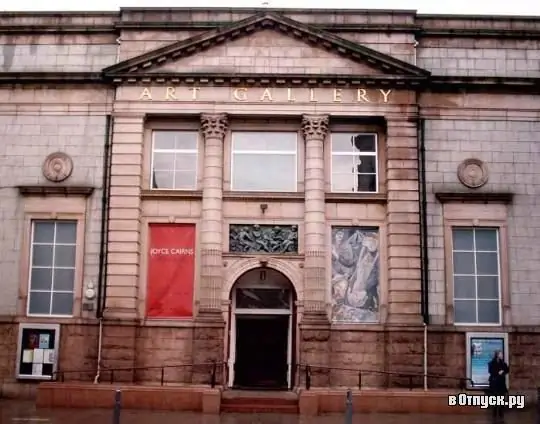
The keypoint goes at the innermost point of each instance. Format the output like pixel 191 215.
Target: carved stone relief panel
pixel 254 238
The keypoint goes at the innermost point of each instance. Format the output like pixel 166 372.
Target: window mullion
pixel 52 266
pixel 475 276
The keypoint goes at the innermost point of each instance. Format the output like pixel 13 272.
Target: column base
pixel 315 347
pixel 207 347
pixel 315 318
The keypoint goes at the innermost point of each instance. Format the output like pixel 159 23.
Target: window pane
pixel 464 287
pixel 463 263
pixel 462 239
pixel 66 232
pixel 64 256
pixel 42 255
pixel 185 162
pixel 487 264
pixel 185 140
pixel 163 179
pixel 488 311
pixel 264 172
pixel 343 182
pixel 184 180
pixel 366 183
pixel 180 140
pixel 62 304
pixel 486 239
pixel 365 142
pixel 39 303
pixel 43 232
pixel 163 161
pixel 264 141
pixel 343 164
pixel 366 164
pixel 262 298
pixel 164 139
pixel 464 311
pixel 64 279
pixel 41 279
pixel 488 287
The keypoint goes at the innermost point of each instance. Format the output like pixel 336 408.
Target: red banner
pixel 171 269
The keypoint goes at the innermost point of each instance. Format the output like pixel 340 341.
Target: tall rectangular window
pixel 476 271
pixel 264 161
pixel 354 163
pixel 174 160
pixel 52 267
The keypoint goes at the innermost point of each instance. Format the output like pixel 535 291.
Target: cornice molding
pixel 475 197
pixel 55 190
pixel 51 77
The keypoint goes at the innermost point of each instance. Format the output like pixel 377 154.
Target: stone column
pixel 315 326
pixel 209 326
pixel 213 127
pixel 315 129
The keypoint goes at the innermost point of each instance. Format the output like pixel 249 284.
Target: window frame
pixel 376 154
pixel 264 152
pixel 197 151
pixel 474 252
pixel 30 267
pixel 473 214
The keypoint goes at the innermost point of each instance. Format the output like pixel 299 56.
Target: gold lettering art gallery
pixel 262 94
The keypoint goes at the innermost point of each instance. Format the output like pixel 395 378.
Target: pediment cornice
pixel 388 66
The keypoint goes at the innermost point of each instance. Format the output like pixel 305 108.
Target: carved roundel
pixel 57 167
pixel 472 173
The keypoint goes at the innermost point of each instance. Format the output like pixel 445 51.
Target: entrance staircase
pixel 259 402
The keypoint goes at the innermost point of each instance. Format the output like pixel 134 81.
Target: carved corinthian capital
pixel 315 127
pixel 214 125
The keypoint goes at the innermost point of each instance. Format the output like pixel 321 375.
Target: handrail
pixel 308 370
pixel 213 371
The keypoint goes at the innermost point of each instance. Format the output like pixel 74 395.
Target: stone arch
pixel 239 268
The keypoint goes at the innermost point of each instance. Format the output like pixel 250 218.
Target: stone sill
pixel 248 196
pixel 171 194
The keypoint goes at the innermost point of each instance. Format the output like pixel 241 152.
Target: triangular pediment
pixel 266 43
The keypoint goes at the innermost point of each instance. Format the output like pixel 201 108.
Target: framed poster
pixel 171 271
pixel 37 351
pixel 480 348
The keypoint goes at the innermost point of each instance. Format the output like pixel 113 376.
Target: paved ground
pixel 13 412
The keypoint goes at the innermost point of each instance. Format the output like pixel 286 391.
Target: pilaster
pixel 124 217
pixel 315 130
pixel 404 296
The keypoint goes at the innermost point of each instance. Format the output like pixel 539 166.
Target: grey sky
pixel 482 7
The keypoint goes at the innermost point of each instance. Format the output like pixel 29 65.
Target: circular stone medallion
pixel 57 167
pixel 472 173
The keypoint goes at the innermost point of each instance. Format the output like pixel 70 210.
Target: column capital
pixel 214 125
pixel 315 127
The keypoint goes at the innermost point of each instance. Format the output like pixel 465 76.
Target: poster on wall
pixel 481 348
pixel 171 270
pixel 37 351
pixel 355 275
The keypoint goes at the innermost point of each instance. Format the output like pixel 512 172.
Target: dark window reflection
pixel 366 165
pixel 367 183
pixel 263 298
pixel 364 142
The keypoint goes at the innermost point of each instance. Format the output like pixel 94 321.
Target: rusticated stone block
pixel 207 347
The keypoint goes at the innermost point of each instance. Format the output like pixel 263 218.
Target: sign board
pixel 171 271
pixel 480 349
pixel 37 351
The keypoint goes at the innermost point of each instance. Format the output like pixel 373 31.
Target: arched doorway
pixel 262 331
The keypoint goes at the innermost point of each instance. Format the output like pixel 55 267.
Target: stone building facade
pixel 359 184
